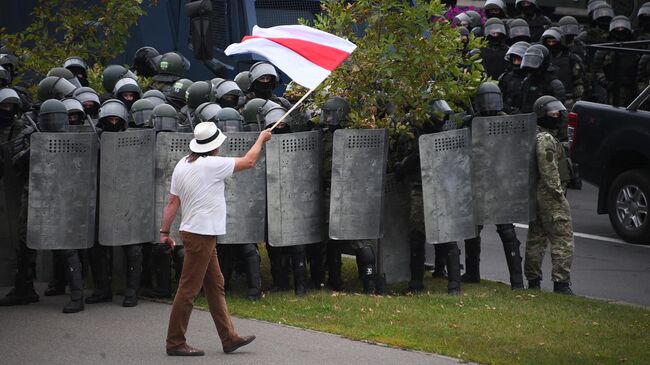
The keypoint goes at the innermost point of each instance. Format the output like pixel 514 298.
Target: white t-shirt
pixel 200 187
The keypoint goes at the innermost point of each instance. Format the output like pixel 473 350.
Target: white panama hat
pixel 207 137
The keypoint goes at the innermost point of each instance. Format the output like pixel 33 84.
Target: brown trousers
pixel 200 268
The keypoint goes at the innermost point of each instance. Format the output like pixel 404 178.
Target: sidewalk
pixel 107 333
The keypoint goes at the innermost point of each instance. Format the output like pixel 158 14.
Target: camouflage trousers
pixel 553 224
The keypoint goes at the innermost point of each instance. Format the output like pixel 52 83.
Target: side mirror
pixel 199 13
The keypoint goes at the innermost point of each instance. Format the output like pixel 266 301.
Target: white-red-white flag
pixel 306 54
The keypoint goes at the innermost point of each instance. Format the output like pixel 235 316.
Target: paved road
pixel 604 266
pixel 109 334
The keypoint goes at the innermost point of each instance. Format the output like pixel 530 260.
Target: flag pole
pixel 293 108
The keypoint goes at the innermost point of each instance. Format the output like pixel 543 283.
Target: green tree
pixel 96 32
pixel 407 56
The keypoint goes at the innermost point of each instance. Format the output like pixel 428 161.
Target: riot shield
pixel 62 191
pixel 393 250
pixel 170 147
pixel 447 186
pixel 245 193
pixel 126 176
pixel 501 155
pixel 358 184
pixel 293 189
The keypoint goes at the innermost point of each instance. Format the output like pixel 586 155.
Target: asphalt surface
pixel 604 266
pixel 107 333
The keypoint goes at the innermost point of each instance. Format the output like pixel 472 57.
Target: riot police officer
pixel 570 69
pixel 169 69
pixel 89 99
pixel 518 31
pixel 495 9
pixel 540 79
pixel 127 91
pixel 511 80
pixel 110 76
pixel 495 51
pixel 14 170
pixel 531 13
pixel 263 79
pixel 489 103
pixel 446 253
pixel 642 31
pixel 571 29
pixel 145 61
pixel 228 95
pixel 79 69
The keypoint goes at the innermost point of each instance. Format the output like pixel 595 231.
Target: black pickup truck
pixel 612 147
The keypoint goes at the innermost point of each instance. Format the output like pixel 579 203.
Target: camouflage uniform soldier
pixel 169 69
pixel 571 29
pixel 553 221
pixel 642 31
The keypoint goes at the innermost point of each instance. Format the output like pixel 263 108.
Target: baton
pixel 31 121
pixel 92 125
pixel 189 119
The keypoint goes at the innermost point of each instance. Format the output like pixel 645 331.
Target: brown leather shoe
pixel 184 350
pixel 239 342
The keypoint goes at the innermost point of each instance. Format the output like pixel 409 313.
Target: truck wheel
pixel 627 204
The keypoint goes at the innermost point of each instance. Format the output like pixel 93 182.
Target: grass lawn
pixel 488 323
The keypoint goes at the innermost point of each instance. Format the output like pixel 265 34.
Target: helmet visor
pixel 168 124
pixel 604 12
pixel 330 117
pixel 554 107
pixel 571 29
pixel 229 126
pixel 532 60
pixel 620 23
pixel 64 87
pixel 519 31
pixel 141 116
pixel 490 102
pixel 494 28
pixel 273 116
pixel 53 122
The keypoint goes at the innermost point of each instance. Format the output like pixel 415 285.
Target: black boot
pixel 366 267
pixel 225 257
pixel 440 263
pixel 334 280
pixel 316 252
pixel 513 256
pixel 133 270
pixel 23 291
pixel 453 268
pixel 535 284
pixel 279 268
pixel 57 285
pixel 162 262
pixel 75 280
pixel 299 267
pixel 562 288
pixel 99 257
pixel 472 260
pixel 18 295
pixel 417 242
pixel 253 275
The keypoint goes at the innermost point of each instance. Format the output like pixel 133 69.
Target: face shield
pixel 141 116
pixel 53 122
pixel 570 29
pixel 166 124
pixel 620 23
pixel 208 112
pixel 489 102
pixel 519 31
pixel 603 14
pixel 273 115
pixel 330 116
pixel 532 59
pixel 493 29
pixel 229 126
pixel 555 109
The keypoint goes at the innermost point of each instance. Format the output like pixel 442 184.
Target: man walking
pixel 197 187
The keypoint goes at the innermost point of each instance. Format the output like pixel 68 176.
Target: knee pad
pixel 365 255
pixel 506 232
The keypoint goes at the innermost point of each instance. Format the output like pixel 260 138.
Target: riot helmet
pixel 535 58
pixel 620 29
pixel 228 94
pixel 519 31
pixel 527 7
pixel 494 29
pixel 144 61
pixel 464 35
pixel 495 9
pixel 516 53
pixel 229 120
pixel 197 94
pixel 89 100
pixel 53 87
pixel 76 114
pixel 243 81
pixel 334 111
pixel 643 17
pixel 462 20
pixel 549 111
pixel 5 77
pixel 9 106
pixel 264 78
pixel 206 112
pixel 251 111
pixel 440 109
pixel 475 19
pixel 602 15
pixel 170 67
pixel 165 118
pixel 552 40
pixel 155 96
pixel 127 91
pixel 569 26
pixel 65 73
pixel 488 100
pixel 272 112
pixel 53 116
pixel 10 63
pixel 176 96
pixel 112 74
pixel 78 67
pixel 592 5
pixel 140 113
pixel 113 116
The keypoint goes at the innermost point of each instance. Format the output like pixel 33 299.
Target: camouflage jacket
pixel 549 153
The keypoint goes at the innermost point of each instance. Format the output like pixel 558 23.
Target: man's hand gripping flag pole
pixel 305 54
